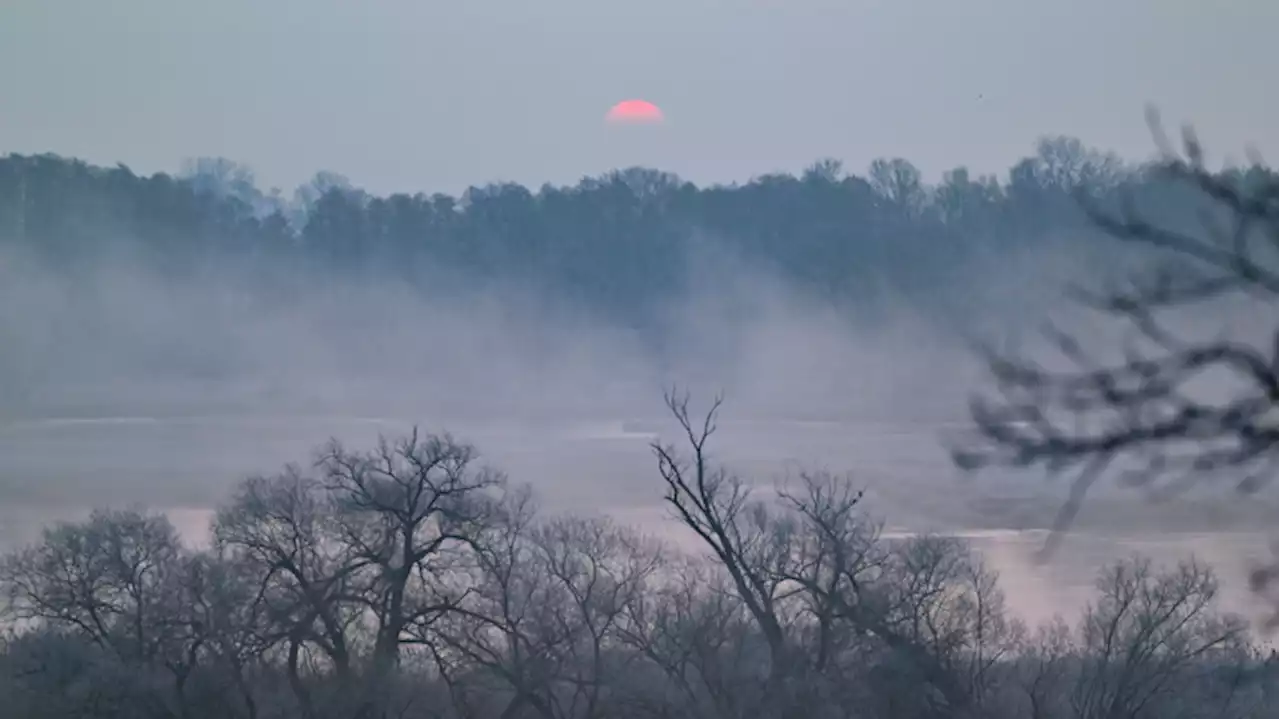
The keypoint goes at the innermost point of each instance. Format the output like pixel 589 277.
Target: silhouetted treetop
pixel 619 242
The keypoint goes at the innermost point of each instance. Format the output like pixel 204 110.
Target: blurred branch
pixel 1139 412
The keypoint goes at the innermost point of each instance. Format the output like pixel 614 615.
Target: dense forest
pixel 621 244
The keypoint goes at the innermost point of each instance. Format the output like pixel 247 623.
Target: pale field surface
pixel 59 469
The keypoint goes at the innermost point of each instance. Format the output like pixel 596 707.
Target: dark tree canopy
pixel 620 243
pixel 410 582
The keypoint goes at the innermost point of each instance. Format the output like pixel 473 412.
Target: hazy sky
pixel 437 94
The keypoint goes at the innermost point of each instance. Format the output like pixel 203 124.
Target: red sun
pixel 634 112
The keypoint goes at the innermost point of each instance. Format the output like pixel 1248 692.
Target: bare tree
pixel 739 532
pixel 408 514
pixel 596 568
pixel 1147 637
pixel 940 620
pixel 1146 414
pixel 547 612
pixel 363 559
pixel 831 601
pixel 105 577
pixel 492 645
pixel 507 614
pixel 119 581
pixel 836 557
pixel 1044 669
pixel 222 602
pixel 282 531
pixel 837 562
pixel 697 633
pixel 946 610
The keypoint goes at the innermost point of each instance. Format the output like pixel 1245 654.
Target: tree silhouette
pixel 618 243
pixel 1146 415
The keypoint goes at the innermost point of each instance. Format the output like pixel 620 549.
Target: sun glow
pixel 634 112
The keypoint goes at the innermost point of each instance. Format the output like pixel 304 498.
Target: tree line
pixel 410 580
pixel 619 243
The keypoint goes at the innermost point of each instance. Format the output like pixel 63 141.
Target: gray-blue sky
pixel 431 95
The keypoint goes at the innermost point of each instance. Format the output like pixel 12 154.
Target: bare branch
pixel 1142 416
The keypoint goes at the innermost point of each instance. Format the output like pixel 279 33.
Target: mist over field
pixel 129 380
pixel 123 339
pixel 677 359
pixel 322 455
pixel 121 351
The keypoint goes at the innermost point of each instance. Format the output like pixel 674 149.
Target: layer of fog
pixel 120 340
pixel 123 387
